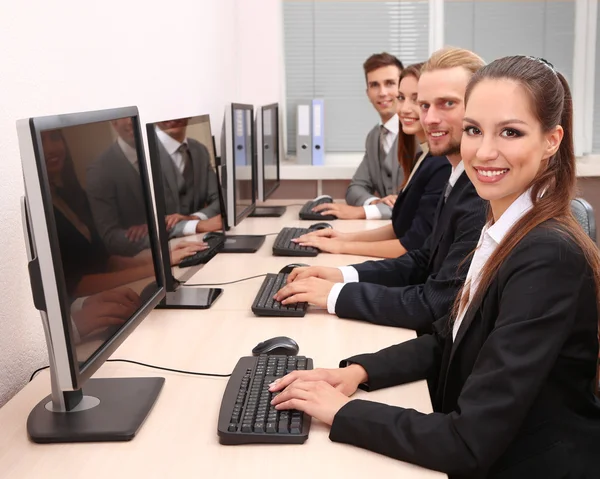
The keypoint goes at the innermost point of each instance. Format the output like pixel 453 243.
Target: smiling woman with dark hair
pixel 512 372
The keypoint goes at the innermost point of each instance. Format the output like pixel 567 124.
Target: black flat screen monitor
pixel 268 154
pixel 182 160
pixel 239 162
pixel 94 264
pixel 268 150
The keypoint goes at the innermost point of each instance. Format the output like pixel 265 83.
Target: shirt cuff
pixel 333 297
pixel 190 227
pixel 372 212
pixel 368 202
pixel 349 274
pixel 201 216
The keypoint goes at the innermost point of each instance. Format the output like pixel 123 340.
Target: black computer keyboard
pixel 202 257
pixel 265 305
pixel 306 212
pixel 246 414
pixel 283 245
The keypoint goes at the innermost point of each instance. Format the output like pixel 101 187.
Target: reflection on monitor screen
pixel 102 226
pixel 186 155
pixel 182 160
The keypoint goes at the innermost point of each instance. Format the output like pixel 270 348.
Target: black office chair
pixel 584 214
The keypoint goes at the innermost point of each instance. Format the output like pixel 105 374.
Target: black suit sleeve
pixel 540 287
pixel 422 223
pixel 410 268
pixel 406 362
pixel 417 298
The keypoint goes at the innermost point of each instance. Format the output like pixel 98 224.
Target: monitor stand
pixel 190 297
pixel 111 409
pixel 268 212
pixel 242 243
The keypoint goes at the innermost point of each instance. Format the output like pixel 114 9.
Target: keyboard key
pixel 282 427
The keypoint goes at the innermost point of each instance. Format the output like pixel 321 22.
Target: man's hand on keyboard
pixel 315 398
pixel 311 290
pixel 323 272
pixel 184 249
pixel 342 211
pixel 326 245
pixel 345 380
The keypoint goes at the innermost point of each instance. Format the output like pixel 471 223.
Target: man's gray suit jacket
pixel 369 178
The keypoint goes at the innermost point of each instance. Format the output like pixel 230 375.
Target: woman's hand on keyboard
pixel 315 398
pixel 341 211
pixel 320 393
pixel 324 233
pixel 323 272
pixel 345 380
pixel 326 245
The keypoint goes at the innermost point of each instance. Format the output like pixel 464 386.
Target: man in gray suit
pixel 190 183
pixel 114 190
pixel 374 186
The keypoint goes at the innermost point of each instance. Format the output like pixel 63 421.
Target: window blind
pixel 494 29
pixel 326 44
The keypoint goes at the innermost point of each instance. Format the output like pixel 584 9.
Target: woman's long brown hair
pixel 407 144
pixel 551 102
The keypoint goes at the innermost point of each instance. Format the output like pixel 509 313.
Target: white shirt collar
pixel 128 151
pixel 456 172
pixel 514 213
pixel 170 143
pixel 392 125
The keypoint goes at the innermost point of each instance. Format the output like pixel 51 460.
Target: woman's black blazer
pixel 414 209
pixel 513 394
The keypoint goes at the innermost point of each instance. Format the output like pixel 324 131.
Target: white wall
pixel 174 58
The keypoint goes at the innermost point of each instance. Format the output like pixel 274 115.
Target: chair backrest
pixel 584 214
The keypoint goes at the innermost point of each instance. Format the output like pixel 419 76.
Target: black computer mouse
pixel 279 345
pixel 319 226
pixel 288 269
pixel 212 235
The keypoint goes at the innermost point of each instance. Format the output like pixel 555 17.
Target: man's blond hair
pixel 452 57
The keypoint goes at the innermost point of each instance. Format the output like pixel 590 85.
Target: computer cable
pixel 228 282
pixel 192 373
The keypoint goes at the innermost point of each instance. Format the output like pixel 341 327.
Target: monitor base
pixel 189 297
pixel 268 212
pixel 242 243
pixel 124 404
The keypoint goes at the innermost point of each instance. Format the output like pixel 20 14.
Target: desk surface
pixel 179 440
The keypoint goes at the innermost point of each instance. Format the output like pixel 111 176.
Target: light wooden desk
pixel 179 438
